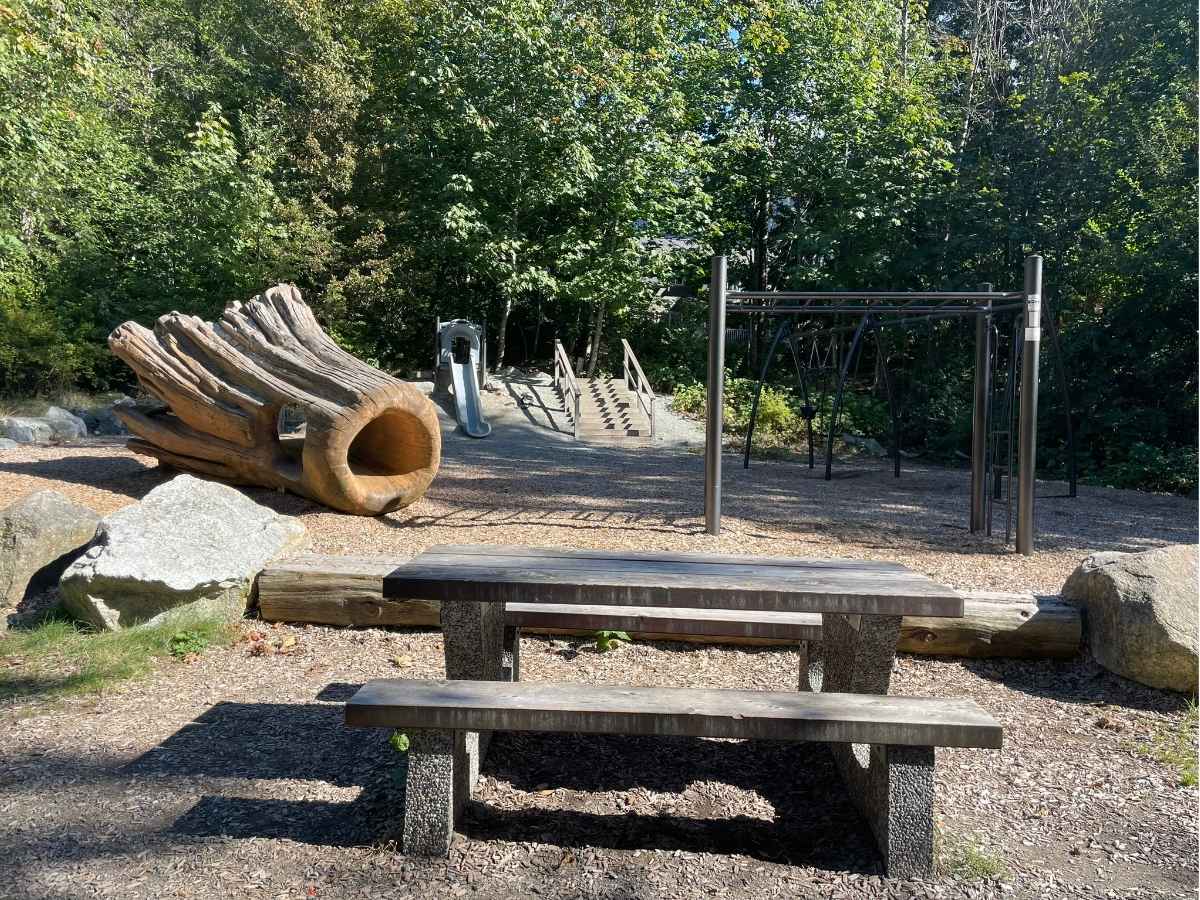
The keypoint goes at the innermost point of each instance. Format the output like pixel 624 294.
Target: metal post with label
pixel 715 399
pixel 1027 445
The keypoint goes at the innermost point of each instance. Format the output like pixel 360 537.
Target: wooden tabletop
pixel 498 574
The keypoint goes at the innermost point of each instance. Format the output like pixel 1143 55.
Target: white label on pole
pixel 1033 334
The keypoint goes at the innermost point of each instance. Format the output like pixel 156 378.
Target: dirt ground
pixel 233 777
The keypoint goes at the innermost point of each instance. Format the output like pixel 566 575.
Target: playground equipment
pixel 615 412
pixel 871 312
pixel 369 443
pixel 461 372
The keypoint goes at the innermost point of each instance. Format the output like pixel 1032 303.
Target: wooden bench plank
pixel 610 709
pixel 666 621
pixel 489 550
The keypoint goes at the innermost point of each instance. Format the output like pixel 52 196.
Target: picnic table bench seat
pixel 900 733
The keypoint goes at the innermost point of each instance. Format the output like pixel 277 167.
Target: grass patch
pixel 964 859
pixel 1176 748
pixel 59 657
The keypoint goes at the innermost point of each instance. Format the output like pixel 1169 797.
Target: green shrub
pixel 609 640
pixel 186 643
pixel 1171 470
pixel 689 399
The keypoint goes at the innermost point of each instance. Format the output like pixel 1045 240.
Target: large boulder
pixel 40 535
pixel 189 547
pixel 25 429
pixel 8 444
pixel 1141 613
pixel 66 426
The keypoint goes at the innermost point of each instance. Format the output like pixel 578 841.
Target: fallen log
pixel 998 624
pixel 370 443
pixel 337 590
pixel 348 590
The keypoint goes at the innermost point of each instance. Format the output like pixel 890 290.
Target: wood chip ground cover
pixel 232 775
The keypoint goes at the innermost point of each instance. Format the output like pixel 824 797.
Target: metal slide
pixel 458 343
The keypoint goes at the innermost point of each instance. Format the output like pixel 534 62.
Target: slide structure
pixel 458 363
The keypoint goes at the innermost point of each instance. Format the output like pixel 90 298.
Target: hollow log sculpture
pixel 371 443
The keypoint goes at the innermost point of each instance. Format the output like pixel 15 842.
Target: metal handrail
pixel 568 387
pixel 639 385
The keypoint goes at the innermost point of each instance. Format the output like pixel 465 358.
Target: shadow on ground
pixel 237 755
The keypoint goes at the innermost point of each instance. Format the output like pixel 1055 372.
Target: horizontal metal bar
pixel 980 296
pixel 862 310
pixel 907 322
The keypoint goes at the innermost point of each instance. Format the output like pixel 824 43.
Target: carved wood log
pixel 371 443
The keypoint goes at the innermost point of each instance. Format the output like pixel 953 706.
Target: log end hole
pixel 291 428
pixel 392 445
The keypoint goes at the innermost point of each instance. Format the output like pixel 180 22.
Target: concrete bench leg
pixel 473 640
pixel 429 793
pixel 892 786
pixel 510 668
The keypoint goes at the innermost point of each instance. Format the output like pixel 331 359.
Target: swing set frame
pixel 877 311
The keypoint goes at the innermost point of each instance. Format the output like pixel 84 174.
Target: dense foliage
pixel 550 168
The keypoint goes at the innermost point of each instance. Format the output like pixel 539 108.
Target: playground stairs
pixel 609 414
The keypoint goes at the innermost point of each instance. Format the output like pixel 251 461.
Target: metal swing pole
pixel 758 390
pixel 715 397
pixel 1027 447
pixel 863 324
pixel 979 415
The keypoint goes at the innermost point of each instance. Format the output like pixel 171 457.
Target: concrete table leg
pixel 891 786
pixel 812 666
pixel 510 669
pixel 429 802
pixel 473 640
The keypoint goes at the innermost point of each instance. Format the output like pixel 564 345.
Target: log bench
pixel 892 739
pixel 801 629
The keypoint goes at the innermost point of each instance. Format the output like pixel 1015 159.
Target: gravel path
pixel 233 777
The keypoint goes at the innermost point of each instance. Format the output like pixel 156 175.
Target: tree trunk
pixel 502 334
pixel 371 443
pixel 597 333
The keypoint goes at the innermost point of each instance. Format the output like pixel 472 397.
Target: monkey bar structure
pixel 871 314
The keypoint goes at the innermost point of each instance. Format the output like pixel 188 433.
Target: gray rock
pixel 8 444
pixel 65 425
pixel 191 547
pixel 103 419
pixel 1141 613
pixel 866 444
pixel 88 416
pixel 40 535
pixel 25 429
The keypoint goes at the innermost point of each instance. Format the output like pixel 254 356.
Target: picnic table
pixel 861 604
